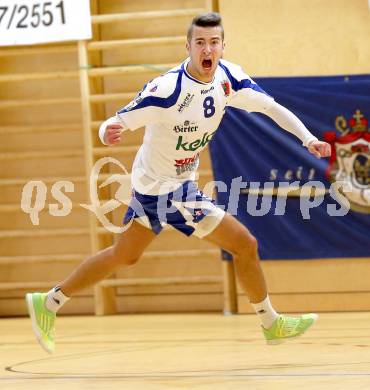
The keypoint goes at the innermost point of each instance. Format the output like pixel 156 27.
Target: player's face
pixel 205 49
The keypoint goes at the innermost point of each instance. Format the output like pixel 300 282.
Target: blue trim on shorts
pixel 160 209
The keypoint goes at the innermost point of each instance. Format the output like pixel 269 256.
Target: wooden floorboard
pixel 191 351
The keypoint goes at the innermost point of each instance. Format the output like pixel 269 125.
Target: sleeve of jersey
pixel 247 95
pixel 251 97
pixel 290 122
pixel 149 104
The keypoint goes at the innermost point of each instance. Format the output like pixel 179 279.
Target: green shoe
pixel 42 320
pixel 288 328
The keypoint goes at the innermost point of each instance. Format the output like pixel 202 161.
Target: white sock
pixel 55 299
pixel 265 312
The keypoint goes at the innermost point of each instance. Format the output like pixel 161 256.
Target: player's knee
pixel 129 260
pixel 248 247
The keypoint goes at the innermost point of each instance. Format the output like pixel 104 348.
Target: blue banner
pixel 325 211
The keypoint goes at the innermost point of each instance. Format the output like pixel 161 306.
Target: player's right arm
pixel 147 108
pixel 110 131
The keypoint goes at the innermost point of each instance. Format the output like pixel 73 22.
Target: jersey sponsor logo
pixel 186 103
pixel 192 146
pixel 350 159
pixel 186 164
pixel 204 91
pixel 226 87
pixel 187 127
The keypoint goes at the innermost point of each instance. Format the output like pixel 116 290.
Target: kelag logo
pixel 199 143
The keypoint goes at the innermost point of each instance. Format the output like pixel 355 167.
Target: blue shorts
pixel 186 209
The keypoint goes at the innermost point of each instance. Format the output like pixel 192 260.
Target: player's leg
pixel 235 238
pixel 197 214
pixel 127 250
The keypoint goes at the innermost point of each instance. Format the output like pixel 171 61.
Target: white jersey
pixel 181 115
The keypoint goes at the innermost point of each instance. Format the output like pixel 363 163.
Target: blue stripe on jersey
pixel 238 85
pixel 171 71
pixel 159 101
pixel 143 89
pixel 192 78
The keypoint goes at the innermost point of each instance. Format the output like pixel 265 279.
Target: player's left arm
pixel 291 123
pixel 252 98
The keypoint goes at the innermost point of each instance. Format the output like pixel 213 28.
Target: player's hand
pixel 319 149
pixel 112 135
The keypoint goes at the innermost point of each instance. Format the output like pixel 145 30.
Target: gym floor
pixel 185 351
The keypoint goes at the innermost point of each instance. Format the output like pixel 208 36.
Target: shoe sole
pixel 32 315
pixel 283 340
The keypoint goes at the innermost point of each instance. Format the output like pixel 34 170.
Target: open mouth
pixel 207 64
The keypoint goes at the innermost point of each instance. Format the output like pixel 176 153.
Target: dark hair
pixel 209 19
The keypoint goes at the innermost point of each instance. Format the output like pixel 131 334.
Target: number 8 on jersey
pixel 209 106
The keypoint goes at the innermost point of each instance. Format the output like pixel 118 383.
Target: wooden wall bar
pixel 42 138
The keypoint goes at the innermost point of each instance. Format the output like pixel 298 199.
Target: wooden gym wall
pixel 298 38
pixel 44 136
